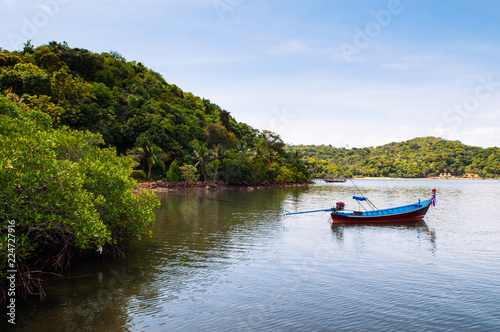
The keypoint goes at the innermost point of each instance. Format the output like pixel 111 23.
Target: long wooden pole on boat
pixel 286 213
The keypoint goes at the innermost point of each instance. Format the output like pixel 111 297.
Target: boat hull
pixel 408 213
pixel 339 180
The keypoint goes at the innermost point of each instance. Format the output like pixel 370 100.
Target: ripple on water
pixel 228 261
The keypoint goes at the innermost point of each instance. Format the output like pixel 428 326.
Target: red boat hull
pixel 413 215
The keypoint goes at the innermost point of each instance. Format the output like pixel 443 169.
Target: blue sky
pixel 345 73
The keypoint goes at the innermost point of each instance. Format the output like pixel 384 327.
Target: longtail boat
pixel 411 212
pixel 405 213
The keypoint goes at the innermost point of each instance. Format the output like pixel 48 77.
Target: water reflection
pixel 418 226
pixel 228 261
pixel 93 297
pixel 419 229
pixel 198 237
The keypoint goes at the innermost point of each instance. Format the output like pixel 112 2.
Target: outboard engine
pixel 339 206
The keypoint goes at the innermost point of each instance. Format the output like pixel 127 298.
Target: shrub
pixel 65 193
pixel 174 172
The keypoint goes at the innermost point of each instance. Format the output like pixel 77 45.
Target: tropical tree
pixel 174 172
pixel 273 141
pixel 202 156
pixel 219 152
pixel 69 196
pixel 259 171
pixel 213 168
pixel 130 106
pixel 188 173
pixel 216 134
pixel 148 156
pixel 237 170
pixel 269 157
pixel 294 157
pixel 242 148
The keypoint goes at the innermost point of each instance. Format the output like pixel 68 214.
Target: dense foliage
pixel 419 157
pixel 139 113
pixel 74 124
pixel 65 193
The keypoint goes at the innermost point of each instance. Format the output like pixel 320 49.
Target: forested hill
pixel 139 113
pixel 419 157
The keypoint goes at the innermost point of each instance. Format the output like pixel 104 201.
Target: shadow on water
pixel 419 228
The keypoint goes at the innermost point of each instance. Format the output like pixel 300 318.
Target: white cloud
pixel 378 138
pixel 410 61
pixel 303 138
pixel 491 116
pixel 395 65
pixel 481 136
pixel 291 47
pixel 393 90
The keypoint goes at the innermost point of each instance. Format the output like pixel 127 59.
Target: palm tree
pixel 269 157
pixel 242 148
pixel 219 152
pixel 294 156
pixel 149 155
pixel 201 155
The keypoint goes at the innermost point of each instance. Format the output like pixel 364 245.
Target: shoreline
pixel 426 178
pixel 447 177
pixel 162 186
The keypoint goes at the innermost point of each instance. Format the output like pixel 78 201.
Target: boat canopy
pixel 358 198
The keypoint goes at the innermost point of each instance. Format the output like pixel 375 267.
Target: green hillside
pixel 74 125
pixel 139 113
pixel 416 158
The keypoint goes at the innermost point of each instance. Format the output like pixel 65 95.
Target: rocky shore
pixel 469 176
pixel 162 186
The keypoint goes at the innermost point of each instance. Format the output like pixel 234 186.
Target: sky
pixel 345 73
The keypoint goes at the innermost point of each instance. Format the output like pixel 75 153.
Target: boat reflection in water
pixel 419 227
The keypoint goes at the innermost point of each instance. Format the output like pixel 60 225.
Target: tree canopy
pixel 416 158
pixel 134 109
pixel 64 192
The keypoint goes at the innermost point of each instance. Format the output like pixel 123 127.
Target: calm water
pixel 228 261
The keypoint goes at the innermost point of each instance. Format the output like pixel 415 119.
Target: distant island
pixel 416 158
